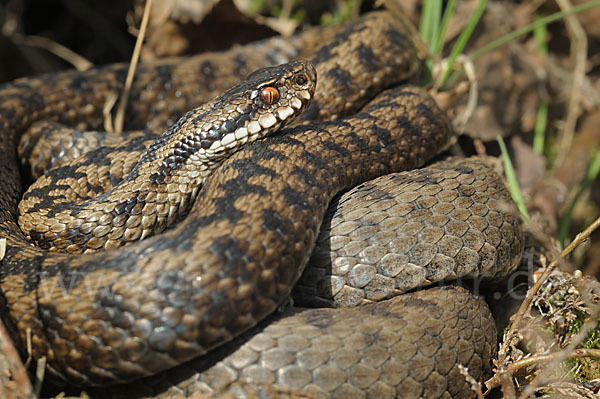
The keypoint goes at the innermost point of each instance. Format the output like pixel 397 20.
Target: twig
pixel 40 371
pixel 109 103
pixel 518 317
pixel 14 381
pixel 591 96
pixel 286 9
pixel 475 385
pixel 526 29
pixel 53 47
pixel 2 248
pixel 29 347
pixel 580 238
pixel 507 386
pixel 120 116
pixel 556 358
pixel 439 68
pixel 579 47
pixel 537 359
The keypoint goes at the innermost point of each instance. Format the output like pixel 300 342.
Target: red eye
pixel 269 95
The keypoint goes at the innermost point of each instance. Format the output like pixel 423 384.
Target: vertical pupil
pixel 269 95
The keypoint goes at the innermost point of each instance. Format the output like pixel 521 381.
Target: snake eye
pixel 269 95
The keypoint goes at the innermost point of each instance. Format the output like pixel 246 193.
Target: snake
pixel 199 291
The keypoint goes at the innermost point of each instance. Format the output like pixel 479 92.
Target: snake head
pixel 264 102
pixel 267 100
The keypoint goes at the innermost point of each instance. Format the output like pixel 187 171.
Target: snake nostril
pixel 301 81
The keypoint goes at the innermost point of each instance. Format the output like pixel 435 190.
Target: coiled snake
pixel 118 315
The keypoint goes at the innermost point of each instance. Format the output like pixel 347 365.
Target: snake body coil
pixel 117 315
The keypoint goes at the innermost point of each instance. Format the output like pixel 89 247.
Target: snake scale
pixel 118 315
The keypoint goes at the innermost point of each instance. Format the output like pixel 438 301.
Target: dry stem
pixel 120 116
pixel 518 317
pixel 79 62
pixel 578 56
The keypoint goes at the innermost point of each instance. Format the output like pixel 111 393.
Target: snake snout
pixel 307 77
pixel 303 81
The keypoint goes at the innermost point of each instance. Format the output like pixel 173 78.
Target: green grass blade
pixel 435 16
pixel 463 39
pixel 430 21
pixel 540 33
pixel 592 173
pixel 526 29
pixel 511 178
pixel 541 122
pixel 439 42
pixel 425 23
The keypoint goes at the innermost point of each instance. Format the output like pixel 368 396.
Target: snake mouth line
pixel 268 100
pixel 254 123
